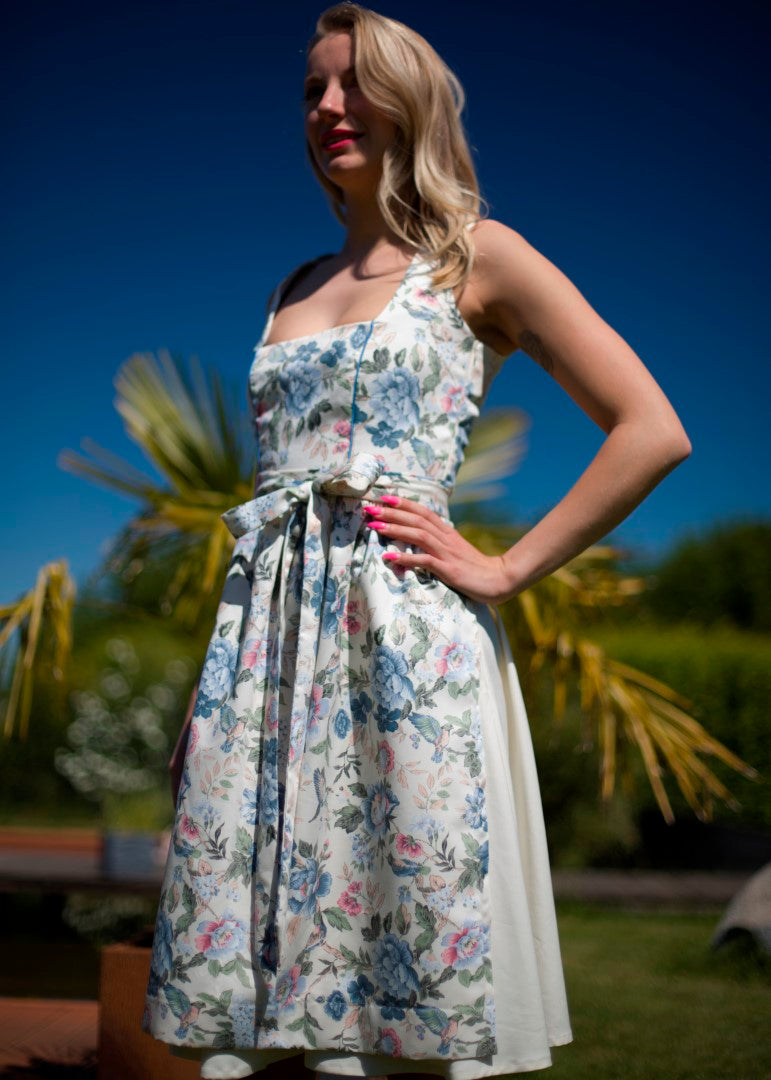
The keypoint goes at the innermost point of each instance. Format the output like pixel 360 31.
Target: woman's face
pixel 347 134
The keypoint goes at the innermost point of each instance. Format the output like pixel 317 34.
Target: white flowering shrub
pixel 117 742
pixel 101 919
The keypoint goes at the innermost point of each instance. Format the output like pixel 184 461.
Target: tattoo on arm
pixel 534 347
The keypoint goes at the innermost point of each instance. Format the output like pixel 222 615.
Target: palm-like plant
pixel 34 628
pixel 197 438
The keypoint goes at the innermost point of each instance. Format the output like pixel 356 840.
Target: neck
pixel 366 231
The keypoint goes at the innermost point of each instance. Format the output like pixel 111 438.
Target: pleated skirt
pixel 531 1008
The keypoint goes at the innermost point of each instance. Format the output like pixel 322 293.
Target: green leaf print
pixel 349 818
pixel 337 918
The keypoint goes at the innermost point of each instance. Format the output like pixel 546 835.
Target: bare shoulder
pixel 494 240
pixel 514 286
pixel 503 261
pixel 502 257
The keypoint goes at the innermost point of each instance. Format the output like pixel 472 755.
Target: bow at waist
pixel 280 491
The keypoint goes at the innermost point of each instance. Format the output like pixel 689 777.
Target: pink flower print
pixel 385 756
pixel 353 622
pixel 255 654
pixel 342 428
pixel 389 1042
pixel 408 845
pixel 220 936
pixel 354 887
pixel 192 739
pixel 188 828
pixel 427 297
pixel 288 988
pixel 319 706
pixel 349 903
pixel 456 661
pixel 452 398
pixel 465 948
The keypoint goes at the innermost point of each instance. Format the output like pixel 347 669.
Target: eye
pixel 311 92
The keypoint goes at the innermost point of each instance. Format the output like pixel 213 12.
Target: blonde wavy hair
pixel 428 192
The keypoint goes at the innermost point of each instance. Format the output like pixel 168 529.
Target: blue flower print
pixel 336 1006
pixel 341 724
pixel 359 336
pixel 218 671
pixel 308 882
pixel 335 352
pixel 269 793
pixel 301 382
pixel 390 681
pixel 289 987
pixel 243 1015
pixel 484 852
pixel 392 967
pixel 361 708
pixel 466 947
pixel 306 350
pixel 249 807
pixel 378 808
pixel 220 937
pixel 456 661
pixel 394 399
pixel 383 435
pixel 390 1009
pixel 475 815
pixel 269 788
pixel 362 854
pixel 388 720
pixel 359 989
pixel 325 598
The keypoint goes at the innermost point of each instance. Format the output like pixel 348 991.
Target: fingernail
pixel 372 509
pixel 375 524
pixel 390 555
pixel 389 500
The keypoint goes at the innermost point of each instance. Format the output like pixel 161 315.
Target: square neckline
pixel 341 327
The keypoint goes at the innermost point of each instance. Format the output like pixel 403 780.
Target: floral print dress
pixel 332 886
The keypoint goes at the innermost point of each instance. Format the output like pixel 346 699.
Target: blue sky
pixel 155 189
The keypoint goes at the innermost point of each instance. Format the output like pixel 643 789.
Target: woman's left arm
pixel 526 302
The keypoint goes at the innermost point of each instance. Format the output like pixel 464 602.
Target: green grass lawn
pixel 648 999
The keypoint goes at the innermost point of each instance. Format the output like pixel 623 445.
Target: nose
pixel 332 101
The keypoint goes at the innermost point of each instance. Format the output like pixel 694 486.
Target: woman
pixel 359 867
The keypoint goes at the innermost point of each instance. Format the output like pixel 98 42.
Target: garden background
pixel 157 189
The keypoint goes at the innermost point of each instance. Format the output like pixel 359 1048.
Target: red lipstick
pixel 339 137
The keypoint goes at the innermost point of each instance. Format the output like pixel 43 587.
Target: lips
pixel 338 137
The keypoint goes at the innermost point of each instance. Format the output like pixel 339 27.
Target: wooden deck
pixel 48 1037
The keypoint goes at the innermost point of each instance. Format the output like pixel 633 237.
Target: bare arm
pixel 534 306
pixel 524 301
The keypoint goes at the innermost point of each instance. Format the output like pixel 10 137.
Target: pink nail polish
pixel 390 555
pixel 374 510
pixel 389 500
pixel 375 524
